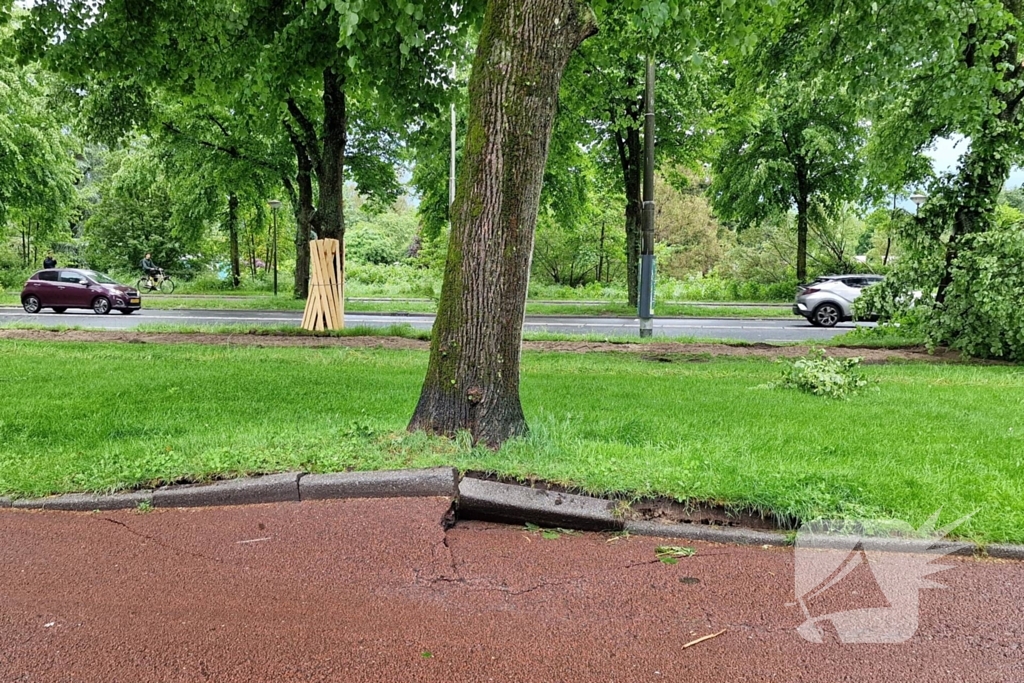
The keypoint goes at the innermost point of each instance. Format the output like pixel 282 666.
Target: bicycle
pixel 160 283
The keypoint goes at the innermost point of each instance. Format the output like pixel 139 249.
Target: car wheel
pixel 127 311
pixel 31 304
pixel 101 306
pixel 59 309
pixel 826 315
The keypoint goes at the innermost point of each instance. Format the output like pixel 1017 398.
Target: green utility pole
pixel 647 225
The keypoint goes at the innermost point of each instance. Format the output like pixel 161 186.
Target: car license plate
pixel 133 301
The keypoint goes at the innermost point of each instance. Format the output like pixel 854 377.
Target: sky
pixel 947 153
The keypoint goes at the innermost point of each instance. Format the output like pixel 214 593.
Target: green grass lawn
pixel 93 417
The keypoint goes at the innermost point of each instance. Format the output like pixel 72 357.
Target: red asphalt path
pixel 376 590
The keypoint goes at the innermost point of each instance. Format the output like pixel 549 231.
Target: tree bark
pixel 305 214
pixel 236 268
pixel 331 173
pixel 801 242
pixel 472 380
pixel 803 204
pixel 631 158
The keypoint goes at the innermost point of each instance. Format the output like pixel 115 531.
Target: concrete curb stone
pixel 85 502
pixel 1005 551
pixel 891 545
pixel 476 498
pixel 271 488
pixel 440 482
pixel 701 532
pixel 512 503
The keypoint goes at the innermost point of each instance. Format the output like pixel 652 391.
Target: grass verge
pixel 287 303
pixel 403 330
pixel 95 417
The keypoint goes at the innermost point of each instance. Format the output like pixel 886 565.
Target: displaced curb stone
pixel 512 503
pixel 701 532
pixel 85 502
pixel 272 488
pixel 440 482
pixel 477 498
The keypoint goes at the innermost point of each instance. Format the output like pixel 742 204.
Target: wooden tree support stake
pixel 325 307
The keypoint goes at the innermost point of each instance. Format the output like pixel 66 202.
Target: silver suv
pixel 829 300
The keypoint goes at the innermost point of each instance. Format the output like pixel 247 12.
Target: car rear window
pixel 46 275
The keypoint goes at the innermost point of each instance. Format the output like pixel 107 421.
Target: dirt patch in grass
pixel 664 352
pixel 258 340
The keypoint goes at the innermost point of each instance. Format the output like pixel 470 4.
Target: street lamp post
pixel 274 206
pixel 918 198
pixel 647 226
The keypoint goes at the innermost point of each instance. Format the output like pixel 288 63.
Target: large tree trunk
pixel 331 173
pixel 236 267
pixel 631 158
pixel 472 380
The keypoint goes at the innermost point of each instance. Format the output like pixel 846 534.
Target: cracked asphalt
pixel 377 590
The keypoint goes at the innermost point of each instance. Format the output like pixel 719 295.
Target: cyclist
pixel 150 269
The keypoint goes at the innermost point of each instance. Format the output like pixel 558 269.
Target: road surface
pixel 748 330
pixel 376 590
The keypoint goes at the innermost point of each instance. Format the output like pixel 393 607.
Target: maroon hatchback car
pixel 64 288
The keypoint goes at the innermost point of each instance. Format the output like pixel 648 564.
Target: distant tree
pixel 601 106
pixel 798 149
pixel 1015 198
pixel 685 227
pixel 37 165
pixel 922 70
pixel 339 82
pixel 139 213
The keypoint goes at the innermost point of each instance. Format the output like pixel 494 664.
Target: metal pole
pixel 275 252
pixel 647 225
pixel 451 166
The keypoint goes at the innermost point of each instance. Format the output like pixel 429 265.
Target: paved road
pixel 789 330
pixel 362 590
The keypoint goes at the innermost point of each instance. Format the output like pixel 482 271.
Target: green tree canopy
pixel 797 149
pixel 37 165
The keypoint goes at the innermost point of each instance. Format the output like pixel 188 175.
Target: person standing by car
pixel 149 268
pixel 49 261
